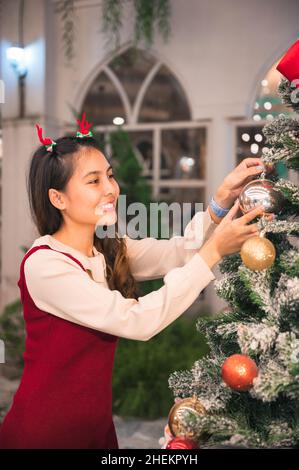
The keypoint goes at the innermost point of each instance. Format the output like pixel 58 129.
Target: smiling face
pixel 91 193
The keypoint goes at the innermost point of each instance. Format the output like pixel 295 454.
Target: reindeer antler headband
pixel 84 127
pixel 83 131
pixel 47 142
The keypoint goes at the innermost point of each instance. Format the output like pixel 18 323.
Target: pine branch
pixel 180 382
pixel 230 264
pixel 258 286
pixel 287 347
pixel 273 378
pixel 276 129
pixel 286 301
pixel 207 383
pixel 289 262
pixel 288 94
pixel 255 339
pixel 282 134
pixel 279 226
pixel 290 190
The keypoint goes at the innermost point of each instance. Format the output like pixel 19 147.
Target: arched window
pixel 137 88
pixel 164 99
pixel 103 101
pixel 143 95
pixel 132 68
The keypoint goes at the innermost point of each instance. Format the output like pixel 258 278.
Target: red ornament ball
pixel 181 443
pixel 238 372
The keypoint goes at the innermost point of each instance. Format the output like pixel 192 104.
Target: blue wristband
pixel 219 211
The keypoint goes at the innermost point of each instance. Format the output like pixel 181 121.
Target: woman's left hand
pixel 235 181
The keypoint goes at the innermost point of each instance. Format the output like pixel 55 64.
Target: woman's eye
pixel 96 181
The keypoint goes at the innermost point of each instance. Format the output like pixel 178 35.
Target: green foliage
pixel 148 16
pixel 128 172
pixel 67 14
pixel 230 263
pixel 12 332
pixel 141 371
pixel 289 263
pixel 289 94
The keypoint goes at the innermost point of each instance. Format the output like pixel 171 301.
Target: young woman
pixel 79 294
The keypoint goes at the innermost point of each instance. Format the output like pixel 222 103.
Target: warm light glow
pixel 267 105
pixel 16 58
pixel 264 82
pixel 257 117
pixel 254 148
pixel 186 164
pixel 258 137
pixel 118 121
pixel 245 137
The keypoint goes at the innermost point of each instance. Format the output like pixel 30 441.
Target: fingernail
pixel 260 167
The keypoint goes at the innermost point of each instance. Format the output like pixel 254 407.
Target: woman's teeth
pixel 108 207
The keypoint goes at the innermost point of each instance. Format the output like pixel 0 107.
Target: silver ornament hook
pixel 264 224
pixel 263 175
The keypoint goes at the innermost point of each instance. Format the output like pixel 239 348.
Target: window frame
pixel 156 129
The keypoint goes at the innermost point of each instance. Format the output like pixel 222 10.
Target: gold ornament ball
pixel 261 192
pixel 258 253
pixel 177 413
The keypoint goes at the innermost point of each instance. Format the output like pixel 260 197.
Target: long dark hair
pixel 54 170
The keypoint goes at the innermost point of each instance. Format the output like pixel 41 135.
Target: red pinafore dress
pixel 64 399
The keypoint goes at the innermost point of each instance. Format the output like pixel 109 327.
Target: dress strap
pixel 41 247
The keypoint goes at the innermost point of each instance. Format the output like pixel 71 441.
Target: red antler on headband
pixel 47 142
pixel 84 127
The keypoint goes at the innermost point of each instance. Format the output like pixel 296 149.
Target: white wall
pixel 219 50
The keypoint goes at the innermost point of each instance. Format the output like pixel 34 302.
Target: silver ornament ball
pixel 261 192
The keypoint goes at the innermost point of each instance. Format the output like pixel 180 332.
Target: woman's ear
pixel 56 199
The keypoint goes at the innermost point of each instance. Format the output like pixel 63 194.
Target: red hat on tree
pixel 289 64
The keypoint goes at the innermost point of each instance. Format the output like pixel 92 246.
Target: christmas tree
pixel 246 391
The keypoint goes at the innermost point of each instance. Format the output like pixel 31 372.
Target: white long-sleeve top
pixel 59 286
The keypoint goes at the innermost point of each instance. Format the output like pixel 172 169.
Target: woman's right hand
pixel 230 234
